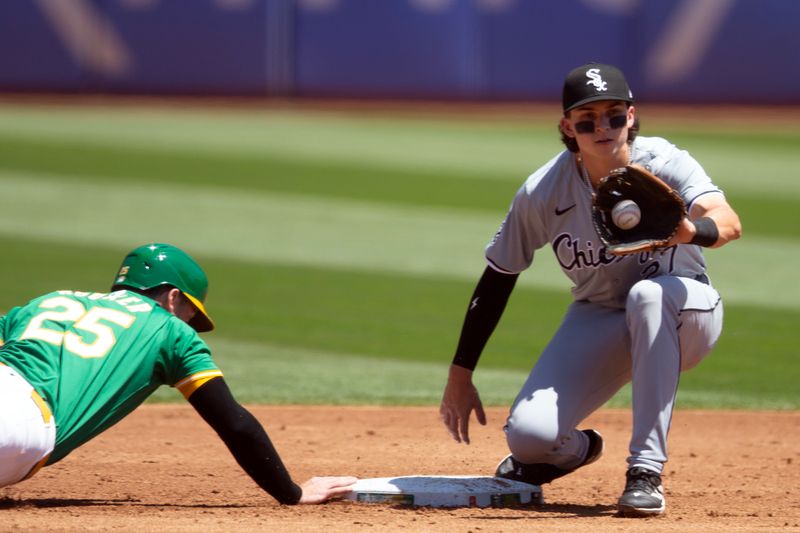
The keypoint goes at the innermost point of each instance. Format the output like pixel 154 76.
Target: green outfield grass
pixel 342 248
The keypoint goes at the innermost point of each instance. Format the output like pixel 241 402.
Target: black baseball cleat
pixel 643 495
pixel 539 473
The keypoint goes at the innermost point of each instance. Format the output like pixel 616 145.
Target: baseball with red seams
pixel 626 214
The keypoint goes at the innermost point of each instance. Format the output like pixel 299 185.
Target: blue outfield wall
pixel 704 51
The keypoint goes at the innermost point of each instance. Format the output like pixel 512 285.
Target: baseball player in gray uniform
pixel 640 318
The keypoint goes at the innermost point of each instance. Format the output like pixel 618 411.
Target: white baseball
pixel 626 214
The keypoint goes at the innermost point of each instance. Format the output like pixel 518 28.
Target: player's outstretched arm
pixel 251 447
pixel 486 307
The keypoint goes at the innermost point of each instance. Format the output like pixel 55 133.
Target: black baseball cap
pixel 593 82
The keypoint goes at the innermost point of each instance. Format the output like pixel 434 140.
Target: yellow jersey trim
pixel 47 415
pixel 189 384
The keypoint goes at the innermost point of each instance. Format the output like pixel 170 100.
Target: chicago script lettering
pixel 571 255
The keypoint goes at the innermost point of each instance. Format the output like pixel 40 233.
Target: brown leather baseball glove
pixel 661 208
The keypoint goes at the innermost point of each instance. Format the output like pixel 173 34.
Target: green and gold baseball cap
pixel 157 264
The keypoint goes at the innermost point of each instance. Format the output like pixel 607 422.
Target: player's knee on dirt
pixel 532 428
pixel 528 445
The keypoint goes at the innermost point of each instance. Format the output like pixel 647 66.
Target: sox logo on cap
pixel 594 79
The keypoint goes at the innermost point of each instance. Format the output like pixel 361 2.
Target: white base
pixel 446 491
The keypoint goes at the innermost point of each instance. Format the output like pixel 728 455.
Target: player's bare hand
pixel 460 398
pixel 684 233
pixel 322 489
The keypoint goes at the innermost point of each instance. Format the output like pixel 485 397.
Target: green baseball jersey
pixel 95 357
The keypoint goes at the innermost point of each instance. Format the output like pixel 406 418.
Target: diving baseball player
pixel 641 318
pixel 73 364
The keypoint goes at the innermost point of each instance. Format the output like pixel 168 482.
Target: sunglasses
pixel 588 126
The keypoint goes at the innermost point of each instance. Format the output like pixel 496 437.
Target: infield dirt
pixel 163 469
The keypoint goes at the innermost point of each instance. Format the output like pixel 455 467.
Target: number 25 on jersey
pixel 94 338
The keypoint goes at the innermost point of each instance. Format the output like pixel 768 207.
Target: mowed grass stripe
pixel 485 148
pixel 260 172
pixel 751 159
pixel 269 373
pixel 288 229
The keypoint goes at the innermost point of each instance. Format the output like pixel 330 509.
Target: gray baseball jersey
pixel 554 206
pixel 640 318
